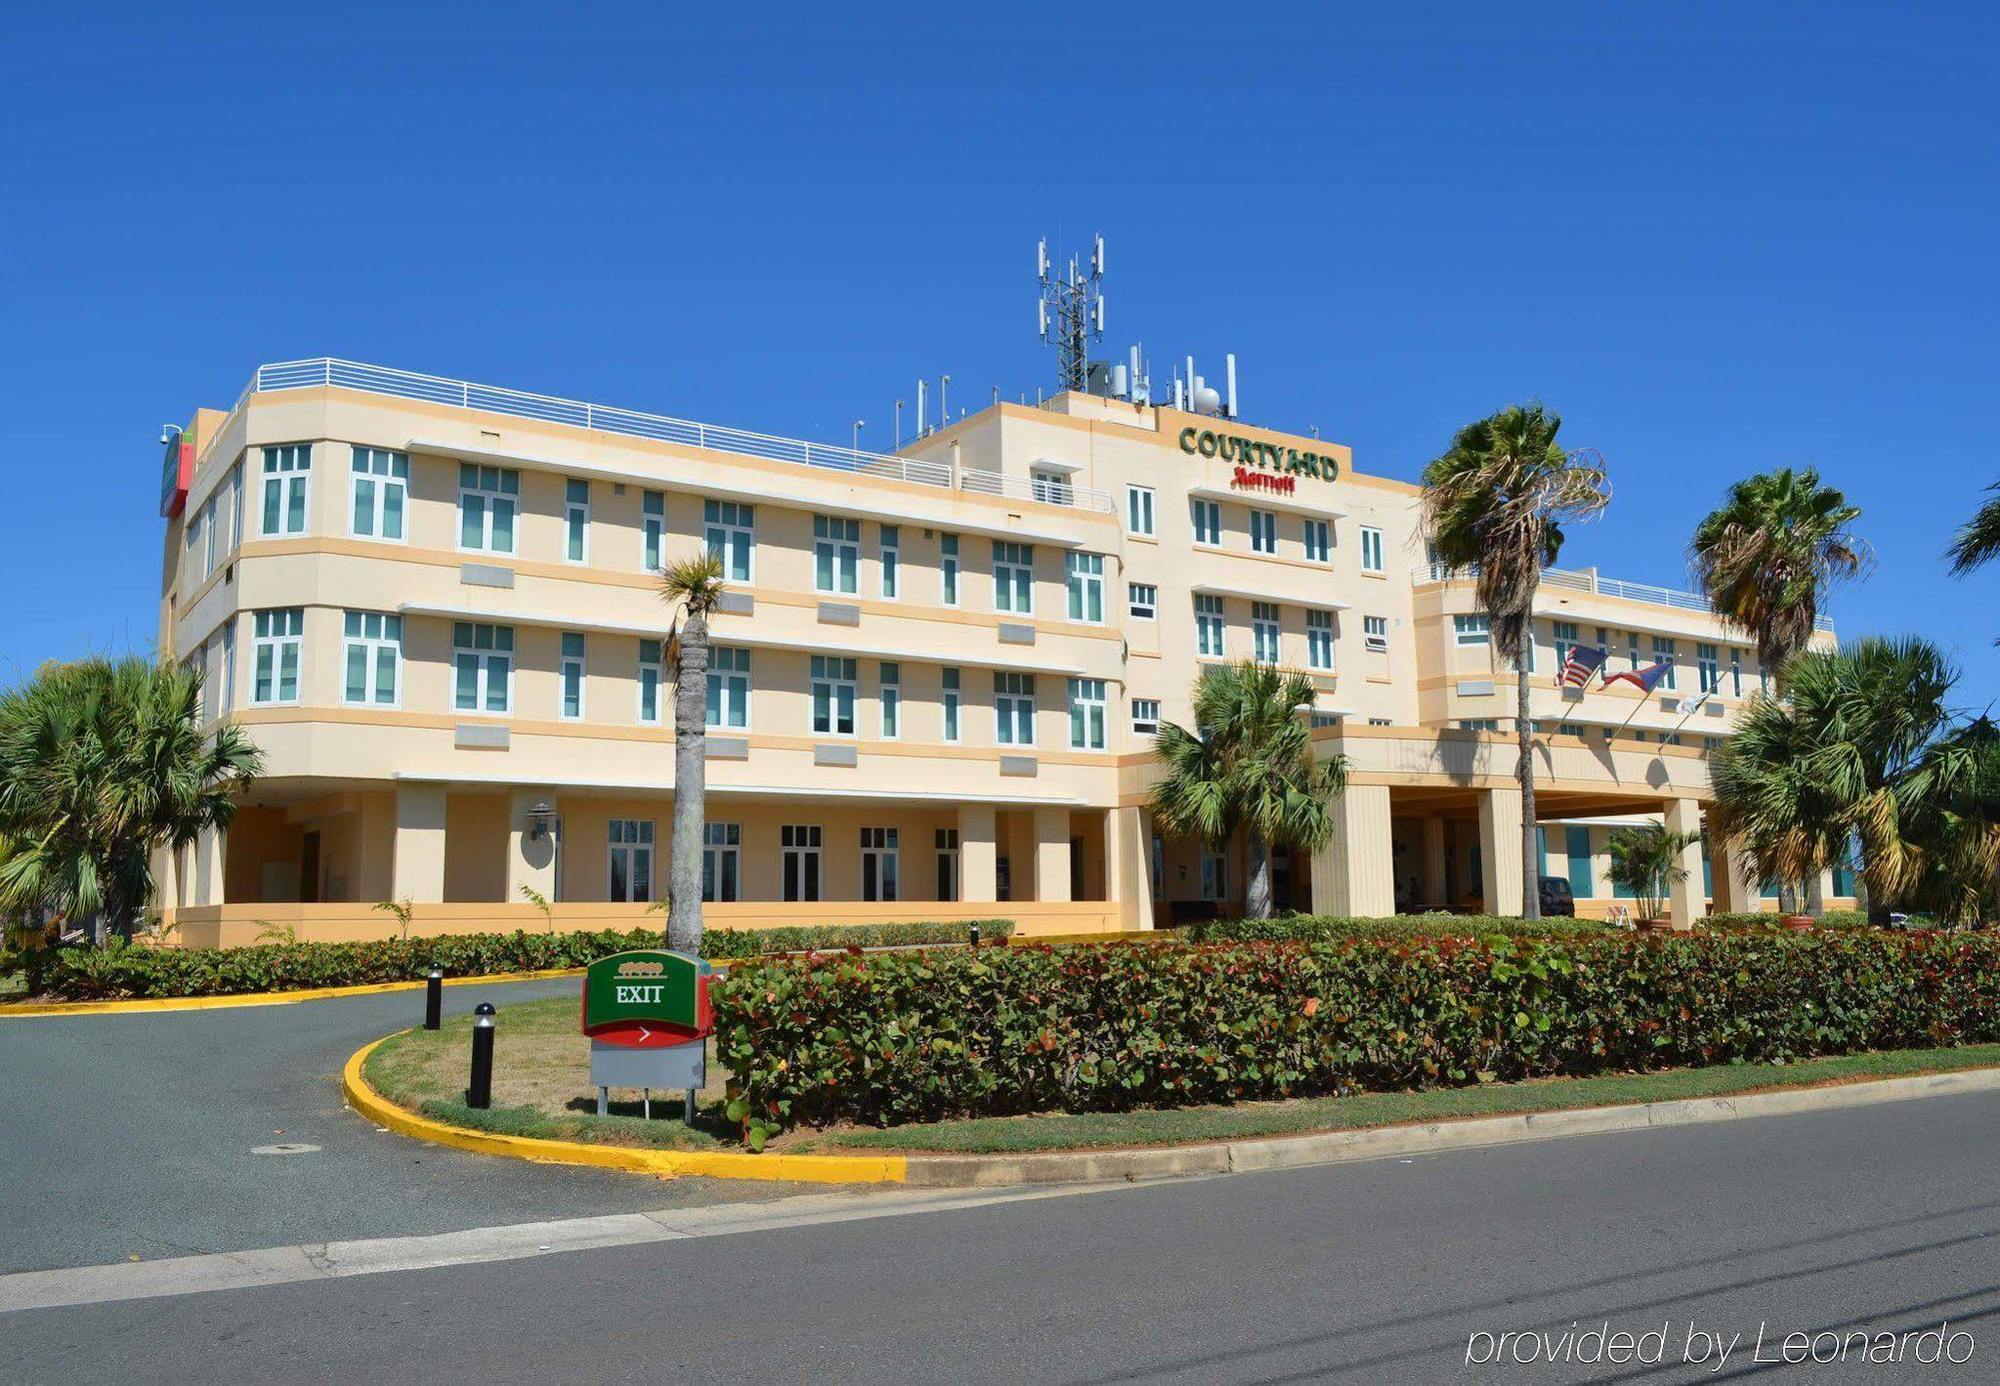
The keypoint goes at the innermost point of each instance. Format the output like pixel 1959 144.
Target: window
pixel 1381 722
pixel 576 520
pixel 286 471
pixel 1159 863
pixel 1708 665
pixel 951 692
pixel 1319 640
pixel 1214 876
pixel 648 678
pixel 1472 630
pixel 1663 648
pixel 836 554
pixel 631 843
pixel 1014 709
pixel 1051 487
pixel 892 701
pixel 730 531
pixel 191 571
pixel 381 493
pixel 1208 626
pixel 653 524
pixel 1491 724
pixel 372 653
pixel 1317 719
pixel 891 564
pixel 1144 600
pixel 1565 641
pixel 208 529
pixel 487 500
pixel 1570 728
pixel 878 863
pixel 833 681
pixel 799 860
pixel 572 675
pixel 1735 672
pixel 483 666
pixel 1371 550
pixel 1145 716
pixel 1375 633
pixel 728 687
pixel 1264 632
pixel 1013 577
pixel 1319 540
pixel 1139 509
pixel 1263 532
pixel 1086 714
pixel 1207 521
pixel 946 840
pixel 1632 647
pixel 948 569
pixel 721 861
pixel 235 506
pixel 1576 846
pixel 226 699
pixel 275 650
pixel 1085 575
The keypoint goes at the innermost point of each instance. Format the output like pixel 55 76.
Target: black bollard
pixel 975 935
pixel 479 1095
pixel 434 997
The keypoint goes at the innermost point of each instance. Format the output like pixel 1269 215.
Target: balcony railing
pixel 1586 580
pixel 384 380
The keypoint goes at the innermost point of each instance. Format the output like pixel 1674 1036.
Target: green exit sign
pixel 647 997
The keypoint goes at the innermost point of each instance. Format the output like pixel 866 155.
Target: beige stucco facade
pixel 946 666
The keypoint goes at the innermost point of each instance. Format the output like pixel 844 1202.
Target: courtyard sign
pixel 648 1019
pixel 1281 465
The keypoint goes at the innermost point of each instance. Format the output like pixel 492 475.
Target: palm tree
pixel 1249 762
pixel 1769 805
pixel 102 763
pixel 1978 541
pixel 1647 861
pixel 694 585
pixel 1766 556
pixel 1497 501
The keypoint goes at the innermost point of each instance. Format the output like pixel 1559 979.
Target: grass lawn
pixel 541 1087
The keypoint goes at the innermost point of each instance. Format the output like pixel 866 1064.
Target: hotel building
pixel 937 673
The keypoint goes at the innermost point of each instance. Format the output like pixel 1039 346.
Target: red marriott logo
pixel 1264 481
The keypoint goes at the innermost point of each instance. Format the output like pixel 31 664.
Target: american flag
pixel 1583 662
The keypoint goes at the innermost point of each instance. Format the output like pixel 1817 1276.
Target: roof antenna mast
pixel 1071 311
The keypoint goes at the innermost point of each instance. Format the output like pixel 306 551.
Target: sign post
pixel 648 1019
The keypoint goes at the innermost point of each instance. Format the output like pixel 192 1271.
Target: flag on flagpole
pixel 1694 704
pixel 1646 679
pixel 1584 661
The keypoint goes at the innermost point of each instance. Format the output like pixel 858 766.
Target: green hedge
pixel 1832 919
pixel 1312 928
pixel 118 972
pixel 893 1038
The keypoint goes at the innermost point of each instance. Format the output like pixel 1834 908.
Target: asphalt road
pixel 1882 1219
pixel 132 1135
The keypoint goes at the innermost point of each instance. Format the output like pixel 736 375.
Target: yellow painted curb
pixel 261 998
pixel 667 1164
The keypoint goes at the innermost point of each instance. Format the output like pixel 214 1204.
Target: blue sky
pixel 1715 238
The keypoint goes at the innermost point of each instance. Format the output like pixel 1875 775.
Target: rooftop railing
pixel 384 380
pixel 1587 580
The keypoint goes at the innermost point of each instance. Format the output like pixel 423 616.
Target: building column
pixel 1686 900
pixel 1736 885
pixel 1354 873
pixel 418 869
pixel 209 875
pixel 978 853
pixel 1433 864
pixel 1500 850
pixel 531 861
pixel 1128 867
pixel 1051 854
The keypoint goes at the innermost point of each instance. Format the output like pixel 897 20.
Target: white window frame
pixel 1317 536
pixel 226 703
pixel 574 665
pixel 889 544
pixel 1145 716
pixel 653 531
pixel 721 862
pixel 1214 876
pixel 729 529
pixel 1664 648
pixel 1013 708
pixel 576 519
pixel 1475 629
pixel 1319 640
pixel 1087 731
pixel 1013 577
pixel 729 687
pixel 649 683
pixel 496 655
pixel 1083 582
pixel 287 490
pixel 1142 599
pixel 1266 634
pixel 277 641
pixel 944 842
pixel 948 570
pixel 836 555
pixel 377 636
pixel 1375 633
pixel 889 691
pixel 881 848
pixel 1051 487
pixel 835 682
pixel 1708 667
pixel 1211 627
pixel 1206 515
pixel 1139 510
pixel 236 506
pixel 1372 554
pixel 1264 531
pixel 208 528
pixel 631 841
pixel 801 843
pixel 952 706
pixel 380 471
pixel 493 489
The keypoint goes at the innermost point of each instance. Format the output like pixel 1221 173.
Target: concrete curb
pixel 260 998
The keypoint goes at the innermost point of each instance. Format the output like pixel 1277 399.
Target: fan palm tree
pixel 694 586
pixel 1497 501
pixel 1766 556
pixel 1647 861
pixel 102 763
pixel 1978 541
pixel 1248 762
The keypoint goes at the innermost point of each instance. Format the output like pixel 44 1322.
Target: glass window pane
pixel 364 506
pixel 295 507
pixel 357 673
pixel 503 526
pixel 385 674
pixel 471 521
pixel 467 695
pixel 392 511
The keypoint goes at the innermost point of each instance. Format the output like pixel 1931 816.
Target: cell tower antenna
pixel 1071 313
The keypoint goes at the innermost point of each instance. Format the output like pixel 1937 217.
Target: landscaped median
pixel 1008 1065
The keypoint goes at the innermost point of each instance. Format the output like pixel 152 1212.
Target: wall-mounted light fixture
pixel 538 820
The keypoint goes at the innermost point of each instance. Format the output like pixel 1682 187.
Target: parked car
pixel 1555 897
